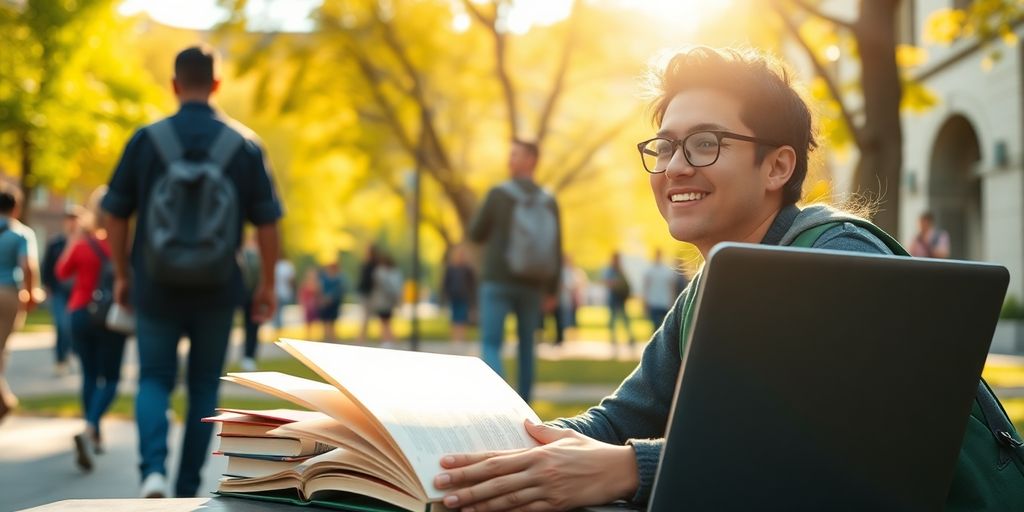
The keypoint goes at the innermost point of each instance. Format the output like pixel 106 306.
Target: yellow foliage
pixel 944 25
pixel 909 56
pixel 917 97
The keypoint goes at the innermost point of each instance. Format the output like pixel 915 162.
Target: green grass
pixel 592 320
pixel 68 406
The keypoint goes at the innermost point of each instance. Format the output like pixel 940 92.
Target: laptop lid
pixel 821 380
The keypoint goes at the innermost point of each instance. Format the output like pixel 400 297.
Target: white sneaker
pixel 83 451
pixel 154 486
pixel 248 364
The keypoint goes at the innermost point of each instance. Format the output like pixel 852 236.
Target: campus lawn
pixel 68 406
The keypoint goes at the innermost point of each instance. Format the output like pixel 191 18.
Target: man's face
pixel 520 160
pixel 925 224
pixel 724 201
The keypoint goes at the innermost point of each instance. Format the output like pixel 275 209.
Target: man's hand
pixel 550 303
pixel 121 291
pixel 568 470
pixel 263 303
pixel 28 300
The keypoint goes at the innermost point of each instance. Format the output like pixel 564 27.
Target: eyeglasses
pixel 701 149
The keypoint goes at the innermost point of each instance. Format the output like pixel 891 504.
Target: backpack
pixel 533 235
pixel 989 473
pixel 102 297
pixel 193 213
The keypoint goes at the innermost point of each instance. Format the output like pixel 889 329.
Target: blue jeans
pixel 496 301
pixel 252 330
pixel 616 313
pixel 158 338
pixel 62 324
pixel 100 350
pixel 657 315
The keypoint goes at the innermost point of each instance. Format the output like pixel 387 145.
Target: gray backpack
pixel 193 213
pixel 533 235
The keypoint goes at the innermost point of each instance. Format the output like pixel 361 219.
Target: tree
pixel 401 83
pixel 69 91
pixel 875 129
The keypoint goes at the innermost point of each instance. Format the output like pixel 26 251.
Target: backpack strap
pixel 520 195
pixel 225 146
pixel 95 246
pixel 169 146
pixel 166 140
pixel 998 422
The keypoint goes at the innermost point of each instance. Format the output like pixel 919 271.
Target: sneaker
pixel 154 486
pixel 248 364
pixel 83 451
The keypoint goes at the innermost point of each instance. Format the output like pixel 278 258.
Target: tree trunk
pixel 881 154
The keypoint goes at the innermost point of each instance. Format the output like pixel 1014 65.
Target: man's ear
pixel 779 164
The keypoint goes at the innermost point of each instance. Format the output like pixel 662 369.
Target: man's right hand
pixel 121 290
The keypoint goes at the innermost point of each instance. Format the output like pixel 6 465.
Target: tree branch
pixel 500 64
pixel 574 172
pixel 418 93
pixel 559 81
pixel 818 13
pixel 819 68
pixel 372 77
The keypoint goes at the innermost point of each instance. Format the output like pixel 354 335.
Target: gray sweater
pixel 637 412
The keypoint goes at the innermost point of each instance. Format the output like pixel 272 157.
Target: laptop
pixel 820 380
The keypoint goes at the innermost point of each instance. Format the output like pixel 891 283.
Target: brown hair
pixel 769 104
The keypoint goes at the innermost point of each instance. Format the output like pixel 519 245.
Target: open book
pixel 391 415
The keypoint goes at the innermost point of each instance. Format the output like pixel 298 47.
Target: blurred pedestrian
pixel 659 290
pixel 570 296
pixel 185 275
pixel 16 295
pixel 251 266
pixel 386 295
pixel 618 293
pixel 309 298
pixel 58 291
pixel 86 260
pixel 284 289
pixel 458 290
pixel 930 241
pixel 519 223
pixel 365 288
pixel 332 293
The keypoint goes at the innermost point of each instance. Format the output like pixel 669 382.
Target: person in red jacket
pixel 99 349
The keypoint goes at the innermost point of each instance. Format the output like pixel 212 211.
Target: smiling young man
pixel 727 164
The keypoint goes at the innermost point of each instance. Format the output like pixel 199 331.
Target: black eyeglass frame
pixel 678 144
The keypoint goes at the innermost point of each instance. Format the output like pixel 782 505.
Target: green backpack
pixel 989 474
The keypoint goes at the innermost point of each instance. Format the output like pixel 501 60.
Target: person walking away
pixel 519 225
pixel 58 292
pixel 284 289
pixel 659 290
pixel 249 262
pixel 386 296
pixel 618 293
pixel 458 289
pixel 309 299
pixel 191 181
pixel 365 287
pixel 86 260
pixel 16 295
pixel 332 291
pixel 930 241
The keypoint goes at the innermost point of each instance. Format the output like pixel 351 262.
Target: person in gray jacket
pixel 727 164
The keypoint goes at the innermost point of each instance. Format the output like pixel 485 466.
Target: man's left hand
pixel 263 303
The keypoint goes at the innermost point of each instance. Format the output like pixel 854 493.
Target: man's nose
pixel 678 165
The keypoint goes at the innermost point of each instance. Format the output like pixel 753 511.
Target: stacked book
pixel 375 431
pixel 252 451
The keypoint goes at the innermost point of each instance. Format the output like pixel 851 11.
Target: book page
pixel 430 404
